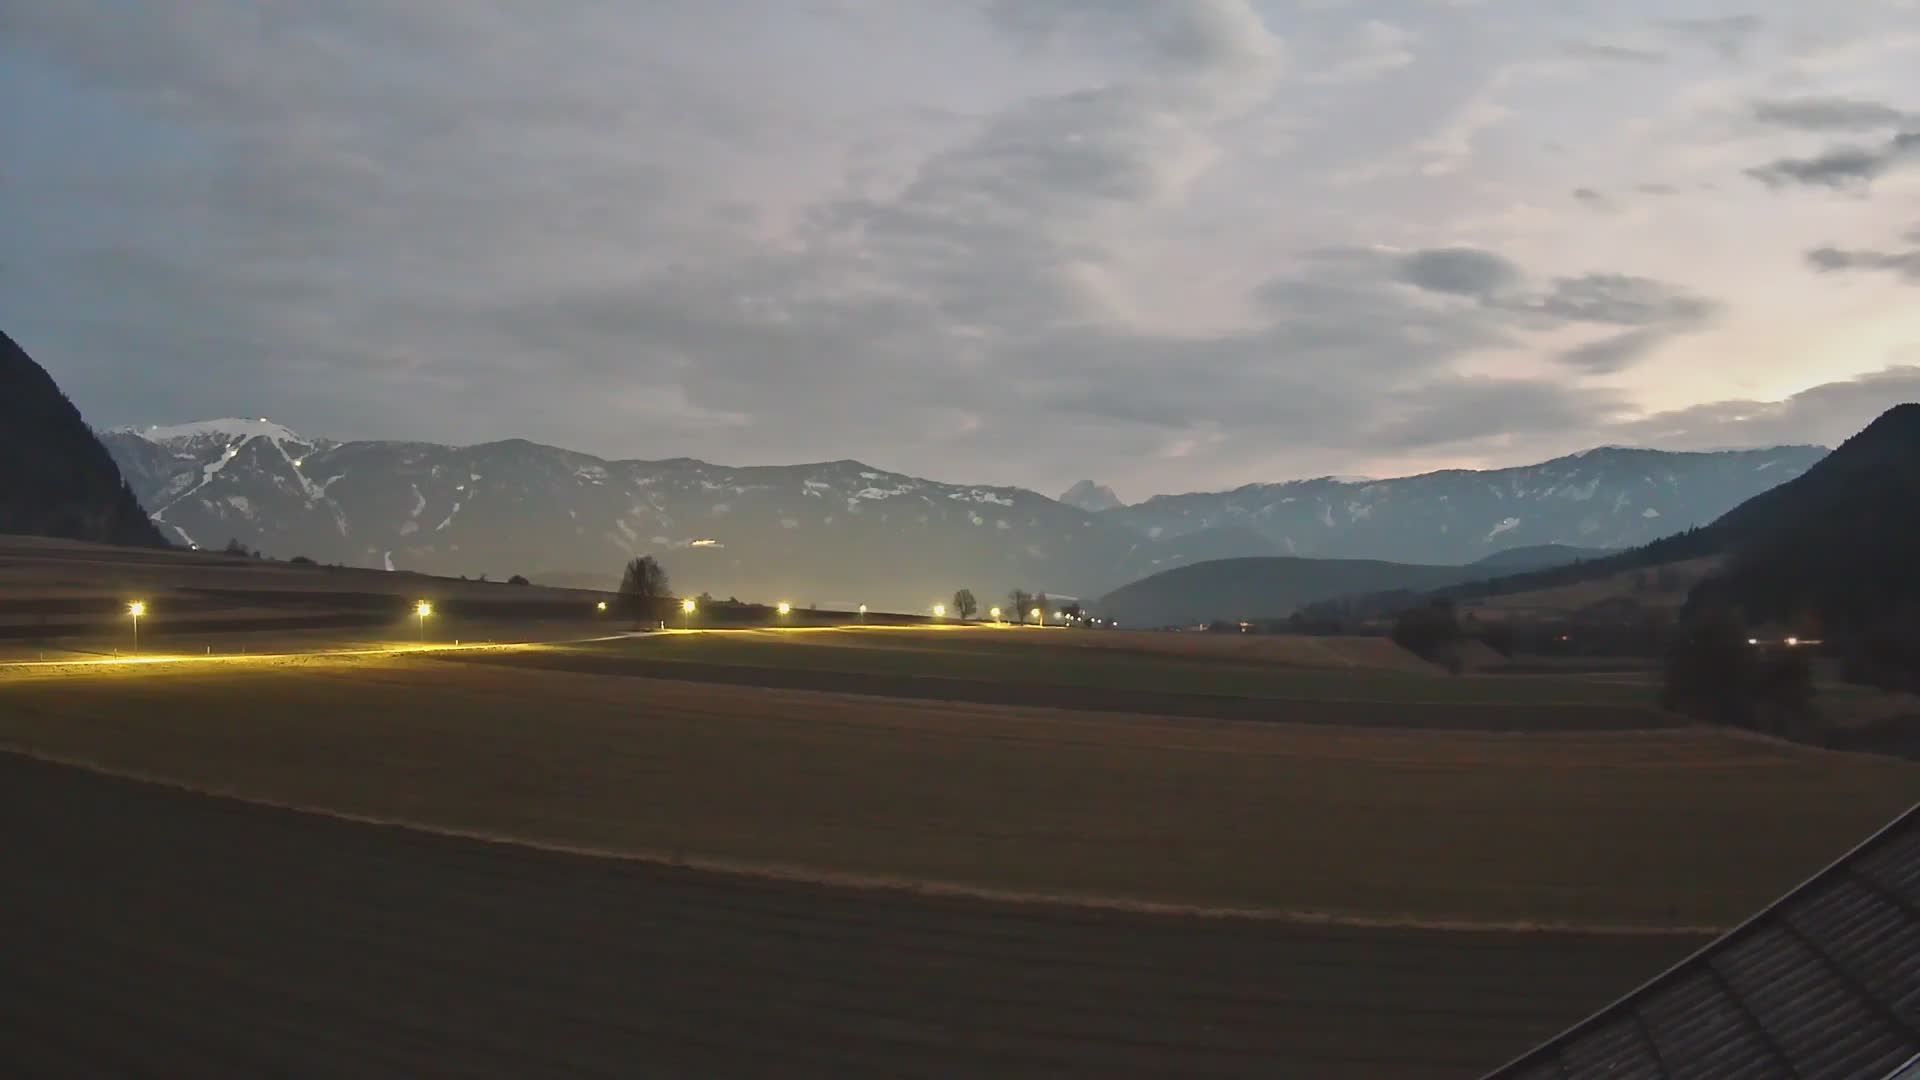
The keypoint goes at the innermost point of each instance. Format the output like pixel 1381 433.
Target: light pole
pixel 863 613
pixel 785 609
pixel 994 614
pixel 686 610
pixel 939 611
pixel 136 609
pixel 1037 617
pixel 423 609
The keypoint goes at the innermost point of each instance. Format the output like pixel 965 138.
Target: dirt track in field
pixel 152 931
pixel 1422 715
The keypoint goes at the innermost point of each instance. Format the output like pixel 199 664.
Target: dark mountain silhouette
pixel 1260 588
pixel 1834 546
pixel 1536 557
pixel 56 479
pixel 1839 546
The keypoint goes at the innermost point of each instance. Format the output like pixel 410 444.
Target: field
pixel 1678 828
pixel 166 934
pixel 994 849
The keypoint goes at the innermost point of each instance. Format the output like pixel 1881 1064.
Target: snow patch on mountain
pixel 231 428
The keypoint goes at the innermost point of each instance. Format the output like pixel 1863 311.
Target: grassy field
pixel 1075 658
pixel 1655 829
pixel 167 934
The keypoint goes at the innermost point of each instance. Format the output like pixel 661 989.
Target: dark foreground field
pixel 148 931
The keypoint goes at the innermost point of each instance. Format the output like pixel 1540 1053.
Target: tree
pixel 643 585
pixel 235 547
pixel 299 560
pixel 964 604
pixel 1021 600
pixel 1046 606
pixel 1428 632
pixel 1713 674
pixel 518 579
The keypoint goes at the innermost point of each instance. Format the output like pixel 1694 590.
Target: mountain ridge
pixel 830 530
pixel 59 479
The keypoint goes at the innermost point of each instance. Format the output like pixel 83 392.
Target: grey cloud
pixel 1591 199
pixel 1619 54
pixel 1616 353
pixel 1205 35
pixel 1651 311
pixel 1619 300
pixel 1841 166
pixel 1726 34
pixel 1826 414
pixel 1469 409
pixel 1657 189
pixel 1829 114
pixel 1904 263
pixel 1460 271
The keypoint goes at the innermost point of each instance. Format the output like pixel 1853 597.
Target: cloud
pixel 1374 48
pixel 1461 271
pixel 997 240
pixel 1470 409
pixel 1830 114
pixel 1825 415
pixel 1652 311
pixel 1612 53
pixel 1904 263
pixel 1591 199
pixel 1841 166
pixel 1616 353
pixel 1619 300
pixel 1728 35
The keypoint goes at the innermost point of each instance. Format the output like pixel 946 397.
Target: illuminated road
pixel 135 660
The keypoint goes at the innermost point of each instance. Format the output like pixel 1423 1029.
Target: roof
pixel 1823 984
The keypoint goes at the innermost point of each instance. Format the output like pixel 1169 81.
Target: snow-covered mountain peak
pixel 231 428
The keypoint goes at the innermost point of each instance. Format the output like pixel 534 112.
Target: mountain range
pixel 58 479
pixel 843 532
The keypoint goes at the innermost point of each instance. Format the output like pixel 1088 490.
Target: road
pixel 151 931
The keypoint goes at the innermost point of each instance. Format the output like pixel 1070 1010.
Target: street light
pixel 136 609
pixel 1037 617
pixel 1792 641
pixel 863 613
pixel 686 610
pixel 785 608
pixel 939 611
pixel 423 609
pixel 601 606
pixel 994 614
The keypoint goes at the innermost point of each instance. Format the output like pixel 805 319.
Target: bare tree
pixel 643 585
pixel 1021 599
pixel 964 605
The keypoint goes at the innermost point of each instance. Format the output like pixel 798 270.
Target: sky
pixel 1169 245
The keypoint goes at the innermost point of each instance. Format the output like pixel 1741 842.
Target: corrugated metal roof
pixel 1823 985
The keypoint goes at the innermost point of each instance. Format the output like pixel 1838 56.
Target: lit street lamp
pixel 1037 617
pixel 785 608
pixel 686 610
pixel 939 611
pixel 994 614
pixel 601 606
pixel 863 613
pixel 423 609
pixel 136 609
